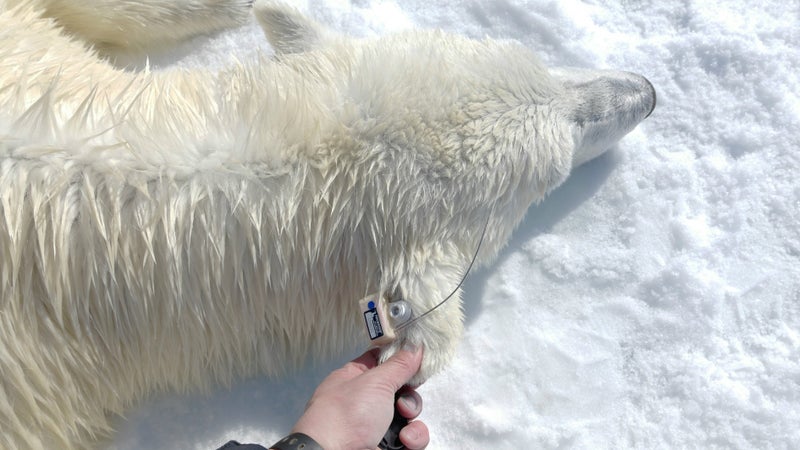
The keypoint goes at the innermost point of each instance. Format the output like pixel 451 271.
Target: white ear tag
pixel 379 329
pixel 383 317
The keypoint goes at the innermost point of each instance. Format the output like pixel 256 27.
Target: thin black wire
pixel 460 283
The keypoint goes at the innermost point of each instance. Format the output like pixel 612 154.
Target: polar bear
pixel 176 228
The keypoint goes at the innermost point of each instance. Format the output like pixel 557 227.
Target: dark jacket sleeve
pixel 233 445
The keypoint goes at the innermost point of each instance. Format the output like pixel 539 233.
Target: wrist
pixel 321 437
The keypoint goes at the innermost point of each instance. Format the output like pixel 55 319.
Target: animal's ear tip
pixel 267 9
pixel 287 29
pixel 276 14
pixel 260 4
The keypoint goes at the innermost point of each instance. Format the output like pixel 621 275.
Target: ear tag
pixel 379 329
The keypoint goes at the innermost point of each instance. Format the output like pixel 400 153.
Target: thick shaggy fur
pixel 173 229
pixel 114 25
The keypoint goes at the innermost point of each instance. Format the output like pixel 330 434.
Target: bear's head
pixel 485 115
pixel 460 136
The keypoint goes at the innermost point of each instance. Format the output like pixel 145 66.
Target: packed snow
pixel 652 301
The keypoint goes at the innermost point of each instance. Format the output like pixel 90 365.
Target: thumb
pixel 399 369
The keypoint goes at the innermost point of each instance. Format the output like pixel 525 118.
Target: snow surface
pixel 653 301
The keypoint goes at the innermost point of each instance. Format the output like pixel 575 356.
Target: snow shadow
pixel 581 185
pixel 256 410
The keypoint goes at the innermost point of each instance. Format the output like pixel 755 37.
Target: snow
pixel 653 301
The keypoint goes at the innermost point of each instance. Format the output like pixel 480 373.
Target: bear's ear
pixel 287 30
pixel 602 107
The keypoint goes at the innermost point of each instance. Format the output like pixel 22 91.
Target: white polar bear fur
pixel 178 228
pixel 113 25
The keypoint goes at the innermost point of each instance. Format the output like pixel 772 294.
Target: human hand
pixel 353 407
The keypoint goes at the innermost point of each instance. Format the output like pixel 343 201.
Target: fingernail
pixel 410 401
pixel 410 434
